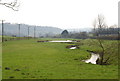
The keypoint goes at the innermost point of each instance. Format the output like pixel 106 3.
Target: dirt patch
pixel 11 77
pixel 7 68
pixel 43 40
pixel 70 46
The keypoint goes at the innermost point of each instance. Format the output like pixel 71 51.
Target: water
pixel 93 58
pixel 62 41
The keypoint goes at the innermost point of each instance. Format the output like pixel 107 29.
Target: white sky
pixel 63 14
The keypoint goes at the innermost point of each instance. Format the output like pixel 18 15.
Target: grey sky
pixel 62 13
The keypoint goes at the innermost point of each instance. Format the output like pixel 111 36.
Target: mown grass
pixel 51 61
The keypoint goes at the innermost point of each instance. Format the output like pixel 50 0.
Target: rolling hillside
pixel 13 29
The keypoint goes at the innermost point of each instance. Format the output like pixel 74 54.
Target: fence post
pixel 19 30
pixel 28 32
pixel 2 30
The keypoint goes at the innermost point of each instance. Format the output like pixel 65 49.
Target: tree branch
pixel 13 5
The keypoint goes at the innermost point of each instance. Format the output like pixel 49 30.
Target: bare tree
pixel 114 26
pixel 94 25
pixel 99 24
pixel 10 4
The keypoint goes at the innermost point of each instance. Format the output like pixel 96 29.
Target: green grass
pixel 51 61
pixel 110 46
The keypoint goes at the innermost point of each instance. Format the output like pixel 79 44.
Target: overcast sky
pixel 63 14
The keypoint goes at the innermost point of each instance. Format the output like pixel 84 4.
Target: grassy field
pixel 27 59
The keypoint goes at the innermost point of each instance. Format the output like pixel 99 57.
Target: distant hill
pixel 80 29
pixel 13 29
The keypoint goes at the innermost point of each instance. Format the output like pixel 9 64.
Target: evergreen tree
pixel 65 34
